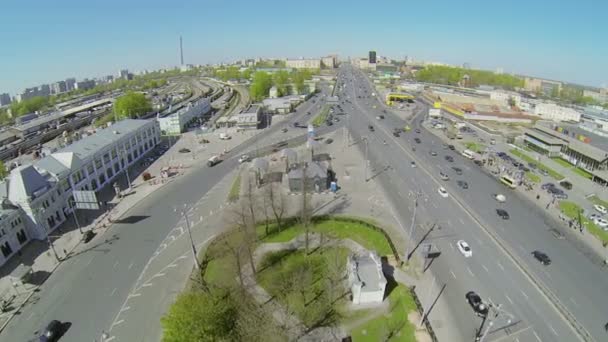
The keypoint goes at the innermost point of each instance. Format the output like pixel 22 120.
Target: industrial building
pixel 37 198
pixel 178 122
pixel 313 63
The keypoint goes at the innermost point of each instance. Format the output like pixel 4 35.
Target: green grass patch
pixel 307 285
pixel 552 173
pixel 221 261
pixel 596 200
pixel 394 323
pixel 572 210
pixel 321 117
pixel 359 233
pixel 235 189
pixel 562 162
pixel 475 147
pixel 582 173
pixel 533 177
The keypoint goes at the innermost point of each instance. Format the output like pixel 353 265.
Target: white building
pixel 36 199
pixel 249 118
pixel 505 97
pixel 282 105
pixel 367 282
pixel 178 122
pixel 313 63
pixel 551 111
pixel 273 93
pixel 330 61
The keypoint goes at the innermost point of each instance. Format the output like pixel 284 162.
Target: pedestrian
pixel 65 252
pixel 537 196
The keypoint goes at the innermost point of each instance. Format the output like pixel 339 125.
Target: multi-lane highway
pixel 572 281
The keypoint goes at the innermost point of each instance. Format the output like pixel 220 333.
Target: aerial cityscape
pixel 222 171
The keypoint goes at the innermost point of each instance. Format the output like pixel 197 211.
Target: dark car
pixel 417 130
pixel 307 113
pixel 371 128
pixel 184 150
pixel 449 158
pixel 457 170
pixel 547 186
pixel 463 184
pixel 396 134
pixel 52 332
pixel 542 257
pixel 88 236
pixel 417 140
pixel 329 141
pixel 502 213
pixel 476 303
pixel 477 162
pixel 451 147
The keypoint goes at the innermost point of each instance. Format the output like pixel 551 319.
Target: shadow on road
pixel 131 219
pixel 93 248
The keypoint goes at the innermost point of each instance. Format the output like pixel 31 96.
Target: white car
pixel 243 158
pixel 602 223
pixel 464 248
pixel 413 164
pixel 443 192
pixel 600 208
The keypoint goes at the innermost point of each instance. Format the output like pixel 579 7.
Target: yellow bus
pixel 508 181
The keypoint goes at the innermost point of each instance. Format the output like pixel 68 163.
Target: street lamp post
pixel 407 254
pixel 194 253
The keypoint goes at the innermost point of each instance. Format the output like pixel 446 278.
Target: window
pixel 116 167
pixel 98 163
pixel 114 153
pixel 109 172
pixel 94 184
pixel 57 215
pixel 129 159
pixel 146 145
pixel 65 185
pixel 135 154
pixel 71 201
pixel 2 232
pixel 77 177
pixel 133 142
pixel 141 150
pixel 90 169
pixel 106 158
pixel 21 237
pixel 6 249
pixel 52 199
pixel 102 179
pixel 138 136
pixel 58 191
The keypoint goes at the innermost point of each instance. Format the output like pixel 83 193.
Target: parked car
pixel 433 153
pixel 600 222
pixel 52 332
pixel 542 257
pixel 244 158
pixel 444 176
pixel 417 140
pixel 371 128
pixel 457 170
pixel 451 147
pixel 463 184
pixel 600 208
pixel 547 186
pixel 329 140
pixel 449 158
pixel 413 164
pixel 443 192
pixel 184 150
pixel 476 303
pixel 502 213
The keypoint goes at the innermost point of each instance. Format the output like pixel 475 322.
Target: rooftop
pixel 369 272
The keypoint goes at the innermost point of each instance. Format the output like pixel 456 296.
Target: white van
pixel 469 154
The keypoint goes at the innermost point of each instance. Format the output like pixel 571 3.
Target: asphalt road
pixel 88 290
pixel 490 272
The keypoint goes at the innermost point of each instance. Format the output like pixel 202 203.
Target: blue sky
pixel 44 41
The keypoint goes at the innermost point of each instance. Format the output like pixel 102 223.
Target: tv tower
pixel 181 51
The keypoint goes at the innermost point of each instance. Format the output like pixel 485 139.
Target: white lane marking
pixel 171 265
pixel 500 265
pixel 551 327
pixel 134 295
pixel 125 308
pixel 115 264
pixel 509 299
pixel 113 292
pixel 470 272
pixel 118 322
pixel 452 246
pixel 523 293
pixel 453 275
pixel 30 316
pixel 485 268
pixel 535 334
pixel 110 338
pixel 461 221
pixel 130 265
pixel 449 222
pixel 158 275
pixel 516 339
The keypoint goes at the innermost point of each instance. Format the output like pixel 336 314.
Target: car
pixel 244 158
pixel 433 153
pixel 476 303
pixel 561 195
pixel 444 176
pixel 184 150
pixel 532 165
pixel 594 216
pixel 88 236
pixel 457 170
pixel 602 223
pixel 417 140
pixel 463 184
pixel 52 332
pixel 547 186
pixel 396 134
pixel 542 257
pixel 329 140
pixel 502 213
pixel 371 128
pixel 443 192
pixel 449 158
pixel 600 208
pixel 417 130
pixel 379 117
pixel 477 162
pixel 413 163
pixel 464 248
pixel 307 113
pixel 296 124
pixel 451 147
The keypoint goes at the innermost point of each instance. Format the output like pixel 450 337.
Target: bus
pixel 508 181
pixel 469 154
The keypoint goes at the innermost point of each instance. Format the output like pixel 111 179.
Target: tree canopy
pixel 262 82
pixel 451 76
pixel 281 82
pixel 132 105
pixel 3 171
pixel 197 316
pixel 31 105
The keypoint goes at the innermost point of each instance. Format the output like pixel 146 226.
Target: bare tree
pixel 240 216
pixel 306 211
pixel 277 202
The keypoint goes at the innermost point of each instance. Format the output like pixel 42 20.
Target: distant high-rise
pixel 181 52
pixel 124 74
pixel 372 57
pixel 70 83
pixel 58 87
pixel 5 99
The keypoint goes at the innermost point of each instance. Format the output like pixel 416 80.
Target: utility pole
pixel 425 310
pixel 494 313
pixel 184 213
pixel 410 242
pixel 366 159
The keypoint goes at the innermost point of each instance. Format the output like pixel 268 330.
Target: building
pixel 554 112
pixel 178 122
pixel 124 74
pixel 70 84
pixel 313 63
pixel 85 85
pixel 365 277
pixel 273 93
pixel 329 62
pixel 599 96
pixel 316 177
pixel 5 99
pixel 59 87
pixel 546 87
pixel 250 118
pixel 282 105
pixel 372 57
pixel 37 198
pixel 506 98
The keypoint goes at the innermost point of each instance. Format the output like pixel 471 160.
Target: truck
pixel 214 160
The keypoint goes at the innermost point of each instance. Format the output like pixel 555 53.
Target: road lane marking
pixel 453 275
pixel 509 299
pixel 551 327
pixel 523 293
pixel 461 221
pixel 125 308
pixel 500 265
pixel 451 245
pixel 158 275
pixel 470 272
pixel 113 292
pixel 485 268
pixel 449 223
pixel 111 338
pixel 130 265
pixel 118 322
pixel 535 334
pixel 134 295
pixel 30 316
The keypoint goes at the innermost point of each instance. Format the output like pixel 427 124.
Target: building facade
pixel 85 85
pixel 70 84
pixel 329 62
pixel 178 122
pixel 37 198
pixel 5 99
pixel 551 111
pixel 600 96
pixel 58 87
pixel 372 57
pixel 303 63
pixel 546 87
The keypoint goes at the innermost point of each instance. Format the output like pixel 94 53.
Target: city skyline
pixel 85 46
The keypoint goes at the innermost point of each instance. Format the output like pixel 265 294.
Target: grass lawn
pixel 321 117
pixel 221 270
pixel 401 303
pixel 563 162
pixel 475 147
pixel 533 177
pixel 554 174
pixel 301 282
pixel 571 210
pixel 235 189
pixel 597 200
pixel 582 173
pixel 359 233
